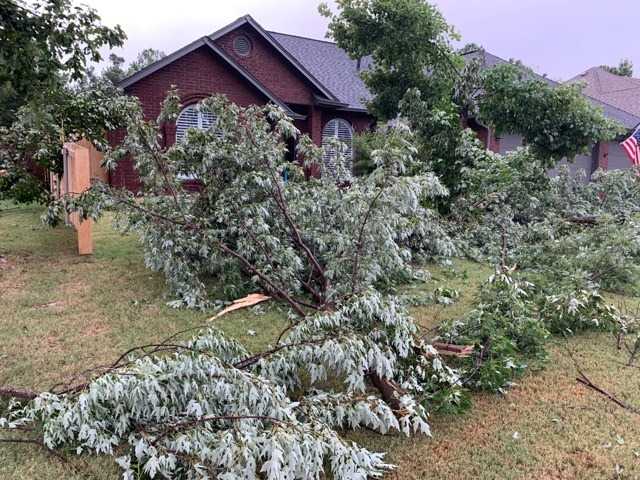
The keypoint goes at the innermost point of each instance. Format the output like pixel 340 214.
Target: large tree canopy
pixel 45 50
pixel 43 44
pixel 405 38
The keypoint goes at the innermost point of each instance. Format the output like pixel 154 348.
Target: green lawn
pixel 61 314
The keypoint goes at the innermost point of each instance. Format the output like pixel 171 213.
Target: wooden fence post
pixel 77 179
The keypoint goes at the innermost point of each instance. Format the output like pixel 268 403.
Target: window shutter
pixel 187 119
pixel 192 117
pixel 340 129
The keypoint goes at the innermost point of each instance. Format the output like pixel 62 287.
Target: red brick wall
pixel 267 65
pixel 359 121
pixel 197 75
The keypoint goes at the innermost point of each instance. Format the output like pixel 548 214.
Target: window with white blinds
pixel 192 117
pixel 341 130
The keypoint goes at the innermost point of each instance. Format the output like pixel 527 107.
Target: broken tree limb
pixel 389 391
pixel 19 393
pixel 248 301
pixel 582 379
pixel 585 220
pixel 449 349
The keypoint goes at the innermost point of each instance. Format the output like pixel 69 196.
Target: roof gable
pixel 206 42
pixel 288 57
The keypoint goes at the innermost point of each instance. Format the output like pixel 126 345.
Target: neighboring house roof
pixel 620 92
pixel 207 42
pixel 490 60
pixel 617 104
pixel 332 66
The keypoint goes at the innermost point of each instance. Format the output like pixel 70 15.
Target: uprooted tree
pixel 351 356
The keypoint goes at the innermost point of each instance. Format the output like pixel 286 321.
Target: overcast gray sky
pixel 559 37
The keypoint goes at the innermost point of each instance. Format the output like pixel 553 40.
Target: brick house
pixel 314 81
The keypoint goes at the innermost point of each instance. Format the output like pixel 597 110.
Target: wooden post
pixel 78 179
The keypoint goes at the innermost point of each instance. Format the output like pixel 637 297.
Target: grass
pixel 60 314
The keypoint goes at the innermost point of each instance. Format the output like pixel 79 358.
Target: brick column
pixel 315 131
pixel 601 155
pixel 315 125
pixel 168 134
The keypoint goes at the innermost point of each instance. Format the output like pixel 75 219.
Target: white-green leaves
pixel 205 411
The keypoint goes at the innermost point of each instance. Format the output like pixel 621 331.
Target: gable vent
pixel 192 117
pixel 242 45
pixel 339 129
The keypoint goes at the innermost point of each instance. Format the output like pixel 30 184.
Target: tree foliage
pixel 351 356
pixel 43 44
pixel 623 69
pixel 116 70
pixel 557 121
pixel 299 236
pixel 45 48
pixel 207 408
pixel 408 42
pixel 69 115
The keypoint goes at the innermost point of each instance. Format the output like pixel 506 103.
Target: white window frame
pixel 202 123
pixel 334 129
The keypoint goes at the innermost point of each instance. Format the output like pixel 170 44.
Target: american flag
pixel 631 146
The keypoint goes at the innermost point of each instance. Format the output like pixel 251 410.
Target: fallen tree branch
pixel 583 379
pixel 389 391
pixel 19 393
pixel 586 220
pixel 588 383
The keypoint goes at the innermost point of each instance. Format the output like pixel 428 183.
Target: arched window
pixel 340 129
pixel 192 116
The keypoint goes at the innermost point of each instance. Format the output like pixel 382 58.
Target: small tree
pixel 117 70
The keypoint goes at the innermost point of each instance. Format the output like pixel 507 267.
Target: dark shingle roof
pixel 490 60
pixel 331 65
